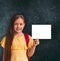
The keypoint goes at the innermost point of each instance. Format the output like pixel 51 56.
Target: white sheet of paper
pixel 41 31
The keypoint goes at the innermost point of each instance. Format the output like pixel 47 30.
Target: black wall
pixel 36 12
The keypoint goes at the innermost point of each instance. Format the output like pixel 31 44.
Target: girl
pixel 14 43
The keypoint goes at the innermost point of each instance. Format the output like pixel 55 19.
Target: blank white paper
pixel 41 31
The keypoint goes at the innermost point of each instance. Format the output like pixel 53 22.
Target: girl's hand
pixel 36 42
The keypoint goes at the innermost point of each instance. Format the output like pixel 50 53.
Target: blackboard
pixel 36 12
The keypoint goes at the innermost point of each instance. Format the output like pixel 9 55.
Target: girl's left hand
pixel 36 42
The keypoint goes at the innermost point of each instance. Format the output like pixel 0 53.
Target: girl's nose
pixel 18 25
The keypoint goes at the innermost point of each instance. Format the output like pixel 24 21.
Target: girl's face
pixel 19 25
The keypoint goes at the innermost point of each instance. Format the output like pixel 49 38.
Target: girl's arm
pixel 3 55
pixel 32 49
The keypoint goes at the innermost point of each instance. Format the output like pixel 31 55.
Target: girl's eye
pixel 16 24
pixel 21 24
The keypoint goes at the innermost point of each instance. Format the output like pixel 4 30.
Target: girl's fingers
pixel 36 42
pixel 36 39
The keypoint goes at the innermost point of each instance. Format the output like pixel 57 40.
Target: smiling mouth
pixel 18 29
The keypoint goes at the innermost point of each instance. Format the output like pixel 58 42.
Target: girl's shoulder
pixel 30 43
pixel 3 38
pixel 2 43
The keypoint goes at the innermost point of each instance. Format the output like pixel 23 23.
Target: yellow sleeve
pixel 30 44
pixel 3 42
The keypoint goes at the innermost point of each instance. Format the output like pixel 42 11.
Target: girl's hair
pixel 10 36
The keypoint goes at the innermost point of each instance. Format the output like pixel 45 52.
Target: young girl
pixel 14 44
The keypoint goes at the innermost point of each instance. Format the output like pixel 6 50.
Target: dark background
pixel 36 12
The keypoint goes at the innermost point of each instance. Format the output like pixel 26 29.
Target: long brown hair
pixel 10 36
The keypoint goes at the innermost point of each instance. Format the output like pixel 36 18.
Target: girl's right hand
pixel 36 42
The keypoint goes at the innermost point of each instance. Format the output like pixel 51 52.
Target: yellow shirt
pixel 18 48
